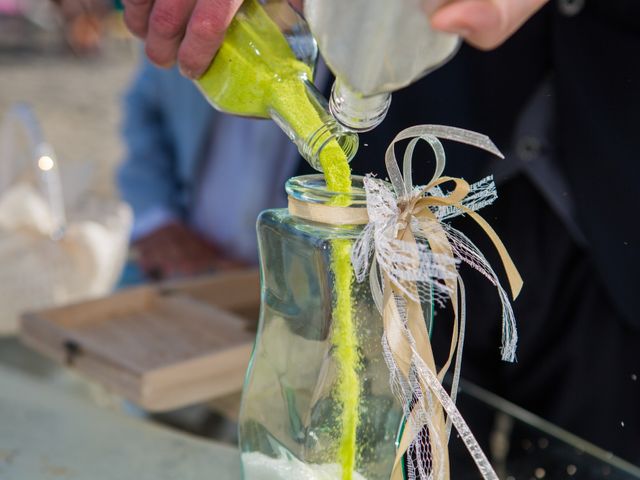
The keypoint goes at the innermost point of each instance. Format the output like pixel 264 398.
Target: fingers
pixel 484 23
pixel 296 4
pixel 187 31
pixel 166 27
pixel 136 16
pixel 204 34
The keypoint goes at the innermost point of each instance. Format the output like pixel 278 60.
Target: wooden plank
pixel 162 347
pixel 50 340
pixel 228 406
pixel 231 291
pixel 137 299
pixel 204 378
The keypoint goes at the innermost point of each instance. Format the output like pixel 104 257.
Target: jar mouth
pixel 313 189
pixel 330 131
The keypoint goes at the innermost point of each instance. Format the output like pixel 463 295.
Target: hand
pixel 485 24
pixel 176 251
pixel 83 23
pixel 188 32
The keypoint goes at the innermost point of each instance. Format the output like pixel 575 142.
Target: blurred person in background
pixel 84 23
pixel 560 98
pixel 196 178
pixel 189 215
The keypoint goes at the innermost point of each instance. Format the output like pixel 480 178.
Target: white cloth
pixel 38 272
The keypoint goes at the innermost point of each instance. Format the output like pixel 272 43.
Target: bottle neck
pixel 355 111
pixel 313 129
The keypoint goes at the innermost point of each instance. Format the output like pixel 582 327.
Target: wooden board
pixel 163 346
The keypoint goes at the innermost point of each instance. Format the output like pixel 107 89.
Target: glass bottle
pixel 291 418
pixel 375 47
pixel 264 69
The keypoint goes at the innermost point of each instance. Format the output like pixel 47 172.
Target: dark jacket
pixel 574 72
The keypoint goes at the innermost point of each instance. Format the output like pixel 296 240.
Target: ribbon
pixel 411 257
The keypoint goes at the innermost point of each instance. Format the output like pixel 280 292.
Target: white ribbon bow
pixel 407 248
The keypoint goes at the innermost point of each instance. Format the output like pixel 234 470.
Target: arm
pixel 147 176
pixel 147 179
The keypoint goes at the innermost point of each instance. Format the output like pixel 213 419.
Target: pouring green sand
pixel 255 73
pixel 345 341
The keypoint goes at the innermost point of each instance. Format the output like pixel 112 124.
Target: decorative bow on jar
pixel 411 257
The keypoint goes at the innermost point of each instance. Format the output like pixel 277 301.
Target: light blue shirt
pixel 245 168
pixel 246 164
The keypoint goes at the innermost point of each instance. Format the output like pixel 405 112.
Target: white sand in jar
pixel 258 466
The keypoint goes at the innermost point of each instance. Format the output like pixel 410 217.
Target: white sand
pixel 258 466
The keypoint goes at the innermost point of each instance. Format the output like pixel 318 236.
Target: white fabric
pixel 39 272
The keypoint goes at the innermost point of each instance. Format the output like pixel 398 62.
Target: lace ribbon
pixel 411 258
pixel 414 262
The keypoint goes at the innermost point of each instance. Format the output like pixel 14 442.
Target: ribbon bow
pixel 411 257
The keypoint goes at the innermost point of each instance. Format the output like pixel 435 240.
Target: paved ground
pixel 77 99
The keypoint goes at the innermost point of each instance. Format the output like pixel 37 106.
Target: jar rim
pixel 313 189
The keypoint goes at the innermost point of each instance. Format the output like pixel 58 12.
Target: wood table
pixel 48 435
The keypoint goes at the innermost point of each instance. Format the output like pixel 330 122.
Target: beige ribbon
pixel 322 213
pixel 406 335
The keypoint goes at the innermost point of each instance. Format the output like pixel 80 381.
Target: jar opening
pixel 313 189
pixel 329 132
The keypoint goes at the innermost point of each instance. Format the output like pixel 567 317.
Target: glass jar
pixel 292 419
pixel 264 69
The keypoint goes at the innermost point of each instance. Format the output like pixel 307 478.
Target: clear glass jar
pixel 264 69
pixel 291 416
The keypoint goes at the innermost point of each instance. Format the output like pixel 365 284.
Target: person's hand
pixel 188 32
pixel 485 24
pixel 174 250
pixel 83 23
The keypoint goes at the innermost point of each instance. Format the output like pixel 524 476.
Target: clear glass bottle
pixel 264 69
pixel 290 419
pixel 375 47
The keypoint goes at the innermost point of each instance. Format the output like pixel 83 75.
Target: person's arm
pixel 147 176
pixel 165 246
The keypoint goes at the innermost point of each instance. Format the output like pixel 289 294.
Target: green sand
pixel 345 341
pixel 254 73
